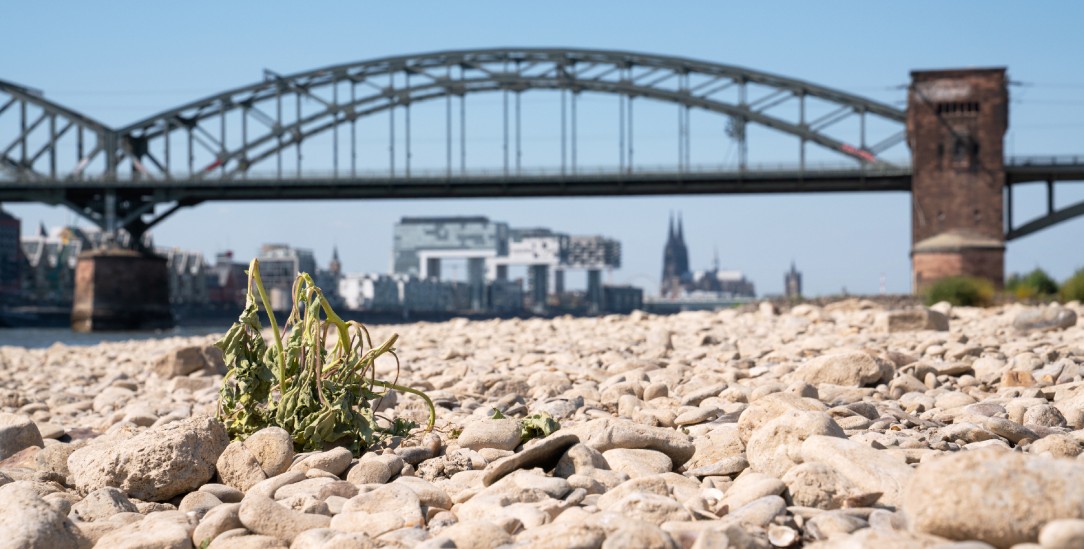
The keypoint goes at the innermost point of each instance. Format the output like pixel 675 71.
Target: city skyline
pixel 838 241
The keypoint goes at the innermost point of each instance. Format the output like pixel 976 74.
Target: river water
pixel 40 338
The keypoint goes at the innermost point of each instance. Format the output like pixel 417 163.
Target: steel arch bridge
pixel 232 145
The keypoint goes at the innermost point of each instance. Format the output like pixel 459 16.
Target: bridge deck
pixel 1030 169
pixel 485 185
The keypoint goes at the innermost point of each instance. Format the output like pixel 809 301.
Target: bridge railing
pixel 1045 160
pixel 498 173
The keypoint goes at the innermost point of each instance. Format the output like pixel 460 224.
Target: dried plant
pixel 319 391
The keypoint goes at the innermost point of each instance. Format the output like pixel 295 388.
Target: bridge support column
pixel 539 283
pixel 117 289
pixel 594 291
pixel 432 268
pixel 956 121
pixel 476 278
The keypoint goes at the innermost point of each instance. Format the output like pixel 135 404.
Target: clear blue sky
pixel 131 59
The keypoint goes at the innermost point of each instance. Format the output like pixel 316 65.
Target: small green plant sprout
pixel 540 425
pixel 318 389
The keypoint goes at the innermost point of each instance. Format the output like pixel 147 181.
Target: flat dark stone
pixel 545 453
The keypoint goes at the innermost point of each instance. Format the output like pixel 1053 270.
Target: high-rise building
pixel 792 282
pixel 675 260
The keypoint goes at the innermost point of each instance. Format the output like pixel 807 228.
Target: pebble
pixel 17 432
pixel 501 434
pixel 819 425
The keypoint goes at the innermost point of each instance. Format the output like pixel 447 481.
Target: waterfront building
pixel 505 295
pixel 792 283
pixel 10 258
pixel 227 282
pixel 279 267
pixel 420 243
pixel 369 292
pixel 48 269
pixel 491 248
pixel 187 271
pixel 420 294
pixel 622 299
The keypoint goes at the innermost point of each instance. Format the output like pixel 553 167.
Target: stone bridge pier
pixel 956 122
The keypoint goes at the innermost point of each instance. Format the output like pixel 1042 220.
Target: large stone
pixel 869 469
pixel 164 530
pixel 769 407
pixel 752 486
pixel 912 320
pixel 821 486
pixel 542 453
pixel 580 459
pixel 263 516
pixel 477 533
pixel 155 465
pixel 392 498
pixel 1062 534
pixel 1053 317
pixel 639 534
pixel 238 468
pixel 850 369
pixel 28 522
pixel 502 434
pixel 273 449
pixel 638 462
pixel 17 432
pixel 186 360
pixel 606 434
pixel 219 519
pixel 776 446
pixel 334 461
pixel 101 504
pixel 651 508
pixel 1002 498
pixel 369 471
pixel 759 512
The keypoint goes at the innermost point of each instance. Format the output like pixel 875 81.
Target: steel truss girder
pixel 611 72
pixel 44 123
pixel 436 75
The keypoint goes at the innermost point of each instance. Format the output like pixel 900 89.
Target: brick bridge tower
pixel 956 122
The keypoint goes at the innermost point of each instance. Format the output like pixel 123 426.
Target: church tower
pixel 336 266
pixel 675 260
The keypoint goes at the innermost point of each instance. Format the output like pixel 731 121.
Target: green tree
pixel 967 291
pixel 1073 288
pixel 1034 285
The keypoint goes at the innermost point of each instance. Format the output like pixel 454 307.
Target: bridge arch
pixel 690 83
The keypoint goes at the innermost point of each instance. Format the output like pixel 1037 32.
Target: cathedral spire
pixel 680 230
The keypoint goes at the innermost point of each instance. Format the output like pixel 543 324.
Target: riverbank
pixel 847 424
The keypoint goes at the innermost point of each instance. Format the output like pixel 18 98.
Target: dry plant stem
pixel 254 274
pixel 425 397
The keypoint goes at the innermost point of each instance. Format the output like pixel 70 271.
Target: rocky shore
pixel 844 425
